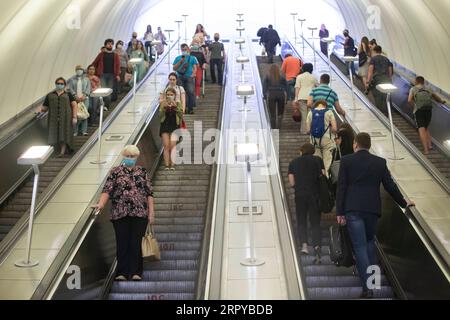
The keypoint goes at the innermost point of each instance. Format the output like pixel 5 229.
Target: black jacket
pixel 271 38
pixel 360 177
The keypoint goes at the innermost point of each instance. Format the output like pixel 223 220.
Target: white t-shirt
pixel 306 82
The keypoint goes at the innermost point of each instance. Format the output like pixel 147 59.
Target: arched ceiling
pixel 40 39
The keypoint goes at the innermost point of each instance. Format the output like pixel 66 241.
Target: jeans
pixel 148 47
pixel 81 127
pixel 108 80
pixel 93 110
pixel 291 90
pixel 276 99
pixel 219 64
pixel 362 228
pixel 189 86
pixel 308 205
pixel 352 66
pixel 129 232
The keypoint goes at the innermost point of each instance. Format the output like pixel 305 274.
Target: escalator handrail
pixel 382 118
pixel 12 237
pixel 204 262
pixel 53 277
pixel 301 280
pixel 438 252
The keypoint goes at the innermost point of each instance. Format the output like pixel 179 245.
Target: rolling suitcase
pixel 341 253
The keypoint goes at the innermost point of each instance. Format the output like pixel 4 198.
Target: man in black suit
pixel 358 202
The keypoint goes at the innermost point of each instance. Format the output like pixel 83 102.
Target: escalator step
pixel 178 236
pixel 153 286
pixel 180 255
pixel 347 293
pixel 152 296
pixel 180 245
pixel 170 275
pixel 8 221
pixel 327 270
pixel 171 265
pixel 177 228
pixel 338 281
pixel 179 221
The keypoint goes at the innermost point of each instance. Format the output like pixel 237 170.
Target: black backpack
pixel 341 253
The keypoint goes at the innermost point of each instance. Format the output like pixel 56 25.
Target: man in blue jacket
pixel 358 202
pixel 271 39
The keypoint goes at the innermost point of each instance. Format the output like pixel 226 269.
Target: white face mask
pixel 171 98
pixel 120 47
pixel 80 73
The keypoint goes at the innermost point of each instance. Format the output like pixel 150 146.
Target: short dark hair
pixel 270 26
pixel 325 78
pixel 308 67
pixel 184 45
pixel 59 79
pixel 420 80
pixel 307 149
pixel 173 74
pixel 108 41
pixel 363 140
pixel 378 49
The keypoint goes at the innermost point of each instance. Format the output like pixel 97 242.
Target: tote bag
pixel 150 246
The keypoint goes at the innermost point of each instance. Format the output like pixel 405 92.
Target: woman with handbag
pixel 130 190
pixel 364 59
pixel 171 117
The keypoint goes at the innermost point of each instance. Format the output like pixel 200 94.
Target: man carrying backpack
pixel 421 99
pixel 321 125
pixel 186 67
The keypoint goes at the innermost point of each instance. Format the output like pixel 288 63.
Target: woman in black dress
pixel 171 115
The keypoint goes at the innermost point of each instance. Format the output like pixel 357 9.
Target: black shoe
pixel 367 294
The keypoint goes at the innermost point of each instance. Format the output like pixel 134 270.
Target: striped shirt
pixel 324 92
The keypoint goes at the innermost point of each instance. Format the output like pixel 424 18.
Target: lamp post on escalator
pixel 34 156
pixel 349 60
pixel 313 43
pixel 303 36
pixel 101 93
pixel 388 89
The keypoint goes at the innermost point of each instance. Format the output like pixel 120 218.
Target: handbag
pixel 82 113
pixel 150 246
pixel 335 165
pixel 297 115
pixel 341 253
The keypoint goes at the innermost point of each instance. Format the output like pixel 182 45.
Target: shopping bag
pixel 150 246
pixel 82 112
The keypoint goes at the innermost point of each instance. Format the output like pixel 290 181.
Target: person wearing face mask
pixel 62 117
pixel 180 93
pixel 107 65
pixel 123 64
pixel 80 87
pixel 171 115
pixel 130 189
pixel 186 67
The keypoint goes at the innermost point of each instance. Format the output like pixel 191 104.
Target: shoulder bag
pixel 150 246
pixel 82 113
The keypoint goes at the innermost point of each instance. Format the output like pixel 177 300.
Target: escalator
pixel 181 199
pixel 18 203
pixel 323 281
pixel 404 122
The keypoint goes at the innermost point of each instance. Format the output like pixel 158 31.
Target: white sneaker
pixel 305 250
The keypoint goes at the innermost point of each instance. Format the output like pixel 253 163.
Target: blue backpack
pixel 318 129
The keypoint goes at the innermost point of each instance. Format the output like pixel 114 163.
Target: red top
pixel 98 63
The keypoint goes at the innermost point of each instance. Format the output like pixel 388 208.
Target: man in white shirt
pixel 304 84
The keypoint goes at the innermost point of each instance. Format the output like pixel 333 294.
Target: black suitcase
pixel 341 253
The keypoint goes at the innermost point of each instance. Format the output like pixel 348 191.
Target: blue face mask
pixel 128 162
pixel 60 87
